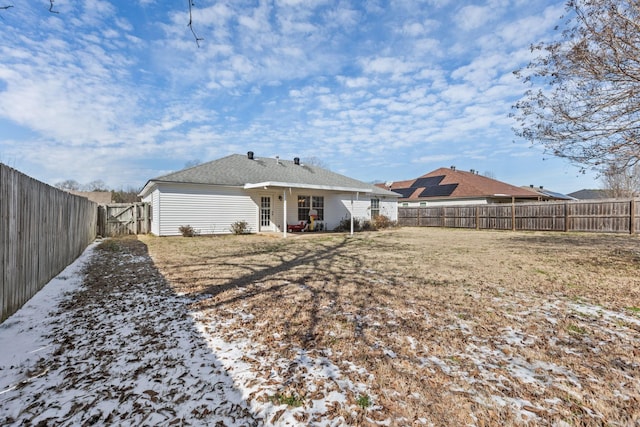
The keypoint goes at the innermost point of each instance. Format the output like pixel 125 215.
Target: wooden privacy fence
pixel 117 219
pixel 609 216
pixel 42 230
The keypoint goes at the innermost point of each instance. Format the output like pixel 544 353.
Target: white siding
pixel 212 209
pixel 208 209
pixel 153 199
pixel 389 208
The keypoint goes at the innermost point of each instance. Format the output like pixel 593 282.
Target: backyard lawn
pixel 419 326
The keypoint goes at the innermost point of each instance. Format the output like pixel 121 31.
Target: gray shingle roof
pixel 585 194
pixel 238 170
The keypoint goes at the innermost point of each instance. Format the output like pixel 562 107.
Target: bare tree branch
pixel 6 7
pixel 51 7
pixel 198 39
pixel 584 101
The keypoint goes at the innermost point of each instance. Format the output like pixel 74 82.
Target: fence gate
pixel 117 219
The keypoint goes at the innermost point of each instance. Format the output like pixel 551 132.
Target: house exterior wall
pixel 208 209
pixel 211 209
pixel 389 208
pixel 153 199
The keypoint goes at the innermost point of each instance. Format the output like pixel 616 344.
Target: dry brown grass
pixel 447 327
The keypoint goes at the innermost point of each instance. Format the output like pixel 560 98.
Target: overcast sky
pixel 377 90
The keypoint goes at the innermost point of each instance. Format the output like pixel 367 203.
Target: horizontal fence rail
pixel 42 230
pixel 606 216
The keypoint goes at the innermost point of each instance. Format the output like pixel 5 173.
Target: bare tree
pixel 192 163
pixel 190 24
pixel 489 174
pixel 69 184
pixel 316 161
pixel 622 182
pixel 584 101
pixel 128 195
pixel 97 185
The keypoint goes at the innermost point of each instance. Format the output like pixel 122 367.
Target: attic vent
pixel 296 160
pixel 250 155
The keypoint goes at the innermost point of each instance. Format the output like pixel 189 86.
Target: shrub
pixel 109 245
pixel 240 227
pixel 381 222
pixel 345 225
pixel 187 231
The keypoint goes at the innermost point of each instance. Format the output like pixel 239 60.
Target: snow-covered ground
pixel 114 345
pixel 132 356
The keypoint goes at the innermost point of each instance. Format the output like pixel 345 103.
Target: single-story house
pixel 270 194
pixel 550 195
pixel 588 194
pixel 450 186
pixel 99 197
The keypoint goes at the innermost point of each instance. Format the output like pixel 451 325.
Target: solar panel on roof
pixel 406 192
pixel 438 190
pixel 427 182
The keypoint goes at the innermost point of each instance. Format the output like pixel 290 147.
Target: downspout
pixel 284 214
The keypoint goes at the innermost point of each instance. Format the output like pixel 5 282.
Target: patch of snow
pixel 22 335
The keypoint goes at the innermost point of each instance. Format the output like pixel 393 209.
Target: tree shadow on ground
pixel 127 350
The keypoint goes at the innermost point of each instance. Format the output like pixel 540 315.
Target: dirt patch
pixel 424 326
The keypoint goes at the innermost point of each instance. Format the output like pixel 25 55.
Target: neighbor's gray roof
pixel 586 194
pixel 239 170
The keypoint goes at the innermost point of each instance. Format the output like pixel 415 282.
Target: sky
pixel 378 90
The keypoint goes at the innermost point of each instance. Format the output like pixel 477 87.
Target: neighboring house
pixel 550 195
pixel 586 194
pixel 268 193
pixel 449 186
pixel 99 197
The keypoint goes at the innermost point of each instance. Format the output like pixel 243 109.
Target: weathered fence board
pixel 610 216
pixel 42 230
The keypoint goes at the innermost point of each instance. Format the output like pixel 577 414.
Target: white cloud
pixel 472 17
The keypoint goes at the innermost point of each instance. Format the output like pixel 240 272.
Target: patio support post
pixel 351 214
pixel 284 213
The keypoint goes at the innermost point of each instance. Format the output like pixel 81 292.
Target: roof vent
pixel 250 155
pixel 473 171
pixel 296 160
pixel 453 167
pixel 278 160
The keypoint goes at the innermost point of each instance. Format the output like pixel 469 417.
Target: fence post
pixel 566 216
pixel 632 217
pixel 477 218
pixel 135 218
pixel 513 214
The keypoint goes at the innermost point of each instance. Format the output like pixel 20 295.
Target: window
pixel 304 205
pixel 317 203
pixel 308 203
pixel 375 208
